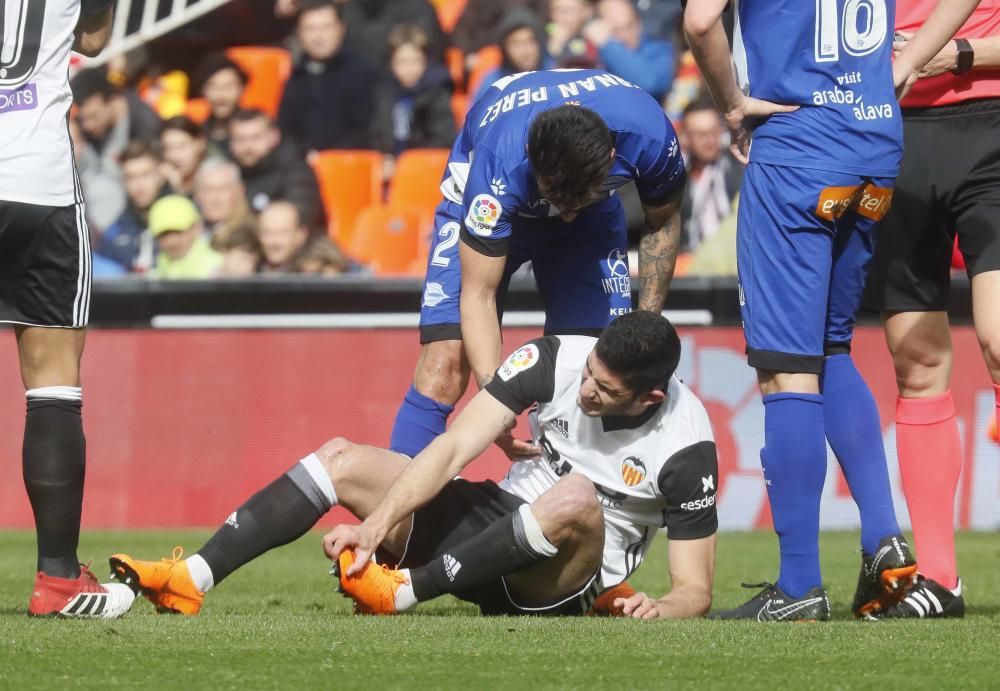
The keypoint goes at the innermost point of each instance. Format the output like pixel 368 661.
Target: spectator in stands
pixel 714 175
pixel 413 102
pixel 273 169
pixel 522 43
pixel 221 82
pixel 625 50
pixel 328 100
pixel 369 23
pixel 566 44
pixel 184 146
pixel 660 18
pixel 716 256
pixel 127 242
pixel 320 257
pixel 477 27
pixel 282 236
pixel 240 250
pixel 108 119
pixel 184 252
pixel 221 197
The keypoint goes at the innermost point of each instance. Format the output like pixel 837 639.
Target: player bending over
pixel 626 450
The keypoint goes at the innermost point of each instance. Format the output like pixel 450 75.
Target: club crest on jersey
pixel 484 212
pixel 521 359
pixel 633 471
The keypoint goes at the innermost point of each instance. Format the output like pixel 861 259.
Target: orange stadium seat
pixel 488 58
pixel 349 181
pixel 197 110
pixel 417 180
pixel 268 69
pixel 385 238
pixel 449 12
pixel 454 60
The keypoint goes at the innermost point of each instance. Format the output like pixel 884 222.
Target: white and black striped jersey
pixel 655 470
pixel 36 155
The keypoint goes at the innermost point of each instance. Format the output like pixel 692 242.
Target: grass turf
pixel 278 623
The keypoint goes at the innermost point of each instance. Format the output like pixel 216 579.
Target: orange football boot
pixel 604 605
pixel 166 583
pixel 374 589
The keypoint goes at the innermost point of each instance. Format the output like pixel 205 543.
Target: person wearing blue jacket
pixel 627 51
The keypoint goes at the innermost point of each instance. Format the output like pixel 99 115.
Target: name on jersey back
pixel 567 90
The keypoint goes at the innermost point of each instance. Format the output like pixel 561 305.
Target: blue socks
pixel 794 463
pixel 855 435
pixel 420 419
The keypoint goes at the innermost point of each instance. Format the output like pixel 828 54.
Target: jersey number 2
pixel 862 29
pixel 19 55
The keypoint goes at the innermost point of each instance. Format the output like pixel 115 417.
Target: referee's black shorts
pixel 45 265
pixel 949 184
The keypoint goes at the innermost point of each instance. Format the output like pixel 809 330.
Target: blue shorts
pixel 581 269
pixel 804 245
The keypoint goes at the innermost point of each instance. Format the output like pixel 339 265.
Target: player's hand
pixel 638 606
pixel 362 538
pixel 517 449
pixel 904 77
pixel 744 117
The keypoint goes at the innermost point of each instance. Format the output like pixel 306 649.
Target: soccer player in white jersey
pixel 627 449
pixel 45 283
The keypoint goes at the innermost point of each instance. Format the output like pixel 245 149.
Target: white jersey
pixel 36 155
pixel 652 471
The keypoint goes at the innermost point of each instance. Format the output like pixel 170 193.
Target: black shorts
pixel 462 510
pixel 949 183
pixel 44 265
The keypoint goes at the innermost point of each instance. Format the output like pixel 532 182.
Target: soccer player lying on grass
pixel 627 449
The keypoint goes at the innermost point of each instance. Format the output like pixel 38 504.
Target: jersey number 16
pixel 862 29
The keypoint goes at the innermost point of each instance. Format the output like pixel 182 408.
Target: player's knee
pixel 335 455
pixel 441 374
pixel 575 511
pixel 921 369
pixel 990 345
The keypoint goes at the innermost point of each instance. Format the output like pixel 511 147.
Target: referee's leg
pixel 54 452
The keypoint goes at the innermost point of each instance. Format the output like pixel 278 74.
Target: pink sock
pixel 930 463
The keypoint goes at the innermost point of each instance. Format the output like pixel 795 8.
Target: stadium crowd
pixel 322 156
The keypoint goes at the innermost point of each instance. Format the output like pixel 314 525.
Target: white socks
pixel 201 574
pixel 404 596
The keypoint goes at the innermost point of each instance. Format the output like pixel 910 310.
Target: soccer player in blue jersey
pixel 532 177
pixel 818 180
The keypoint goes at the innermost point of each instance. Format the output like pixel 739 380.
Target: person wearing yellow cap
pixel 184 250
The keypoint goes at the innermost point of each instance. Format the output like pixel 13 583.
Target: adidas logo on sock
pixel 562 426
pixel 232 520
pixel 451 566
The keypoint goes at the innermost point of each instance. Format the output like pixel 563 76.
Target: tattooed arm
pixel 661 237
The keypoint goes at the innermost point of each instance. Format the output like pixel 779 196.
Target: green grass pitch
pixel 278 623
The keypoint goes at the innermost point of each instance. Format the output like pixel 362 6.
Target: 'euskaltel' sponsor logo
pixel 521 359
pixel 484 212
pixel 24 98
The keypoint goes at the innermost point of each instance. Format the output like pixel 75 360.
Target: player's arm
pixel 469 435
pixel 687 483
pixel 947 18
pixel 658 245
pixel 93 29
pixel 481 275
pixel 985 55
pixel 710 48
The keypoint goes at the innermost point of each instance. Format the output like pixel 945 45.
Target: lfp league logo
pixel 484 212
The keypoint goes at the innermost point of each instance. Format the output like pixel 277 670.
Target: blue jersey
pixel 832 58
pixel 489 173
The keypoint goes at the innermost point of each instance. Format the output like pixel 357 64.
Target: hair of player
pixel 249 115
pixel 137 149
pixel 89 83
pixel 183 123
pixel 642 348
pixel 408 35
pixel 314 5
pixel 570 149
